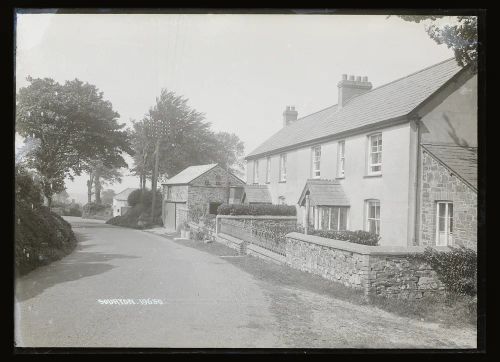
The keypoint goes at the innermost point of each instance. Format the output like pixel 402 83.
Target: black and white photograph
pixel 246 180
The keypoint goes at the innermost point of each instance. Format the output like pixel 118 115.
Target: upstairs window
pixel 268 170
pixel 375 154
pixel 256 171
pixel 283 167
pixel 341 159
pixel 444 223
pixel 373 216
pixel 316 162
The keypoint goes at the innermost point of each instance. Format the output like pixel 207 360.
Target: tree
pixel 462 37
pixel 100 175
pixel 73 124
pixel 61 197
pixel 107 196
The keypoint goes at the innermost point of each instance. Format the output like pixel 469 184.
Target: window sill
pixel 282 182
pixel 373 175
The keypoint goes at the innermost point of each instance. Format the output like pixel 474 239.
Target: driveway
pixel 170 295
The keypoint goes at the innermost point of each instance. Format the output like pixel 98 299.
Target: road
pixel 207 301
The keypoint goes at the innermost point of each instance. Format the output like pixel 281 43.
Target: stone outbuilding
pixel 198 189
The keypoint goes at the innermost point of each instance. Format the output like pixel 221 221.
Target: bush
pixel 41 237
pixel 262 209
pixel 74 211
pixel 137 217
pixel 26 189
pixel 93 208
pixel 357 237
pixel 457 268
pixel 135 198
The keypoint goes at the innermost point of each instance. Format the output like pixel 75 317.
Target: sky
pixel 241 71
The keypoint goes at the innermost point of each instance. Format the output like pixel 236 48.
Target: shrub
pixel 457 268
pixel 134 197
pixel 26 189
pixel 74 211
pixel 93 208
pixel 147 199
pixel 41 236
pixel 137 217
pixel 259 209
pixel 357 237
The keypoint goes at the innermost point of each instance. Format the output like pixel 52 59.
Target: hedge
pixel 457 268
pixel 357 237
pixel 41 236
pixel 255 210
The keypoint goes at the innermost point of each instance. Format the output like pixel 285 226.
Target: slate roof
pixel 462 161
pixel 257 194
pixel 390 101
pixel 189 174
pixel 324 193
pixel 123 196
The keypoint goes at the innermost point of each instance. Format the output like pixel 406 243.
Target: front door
pixel 170 222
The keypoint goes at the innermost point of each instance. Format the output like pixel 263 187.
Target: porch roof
pixel 324 193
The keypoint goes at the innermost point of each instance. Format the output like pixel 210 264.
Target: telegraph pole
pixel 158 132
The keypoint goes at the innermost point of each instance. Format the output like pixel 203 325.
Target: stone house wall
pixel 439 184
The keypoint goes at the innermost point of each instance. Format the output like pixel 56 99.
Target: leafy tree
pixel 188 140
pixel 462 37
pixel 107 196
pixel 73 124
pixel 61 197
pixel 100 175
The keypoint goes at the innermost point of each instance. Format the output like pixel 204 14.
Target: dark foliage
pixel 147 198
pixel 457 268
pixel 41 237
pixel 274 210
pixel 357 237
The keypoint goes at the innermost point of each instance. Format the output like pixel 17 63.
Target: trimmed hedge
pixel 256 210
pixel 357 237
pixel 457 268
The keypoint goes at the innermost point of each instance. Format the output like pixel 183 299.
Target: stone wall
pixel 377 270
pixel 438 184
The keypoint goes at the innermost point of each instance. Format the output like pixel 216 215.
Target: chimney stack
pixel 289 115
pixel 352 87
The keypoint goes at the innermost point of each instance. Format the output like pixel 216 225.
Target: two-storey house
pixel 360 162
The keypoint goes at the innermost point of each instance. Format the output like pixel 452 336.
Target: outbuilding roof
pixel 324 193
pixel 123 196
pixel 189 174
pixel 257 194
pixel 390 101
pixel 460 160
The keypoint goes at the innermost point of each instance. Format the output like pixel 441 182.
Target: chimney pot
pixel 289 115
pixel 351 77
pixel 344 76
pixel 365 79
pixel 358 78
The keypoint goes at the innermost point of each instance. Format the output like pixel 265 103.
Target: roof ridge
pixel 400 78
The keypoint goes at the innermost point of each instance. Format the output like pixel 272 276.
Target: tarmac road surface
pixel 129 288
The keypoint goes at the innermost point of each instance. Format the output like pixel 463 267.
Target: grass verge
pixel 451 310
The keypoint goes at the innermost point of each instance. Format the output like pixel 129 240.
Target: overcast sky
pixel 240 70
